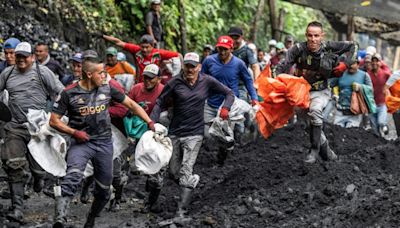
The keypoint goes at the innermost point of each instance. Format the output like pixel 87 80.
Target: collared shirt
pixel 188 103
pixel 378 81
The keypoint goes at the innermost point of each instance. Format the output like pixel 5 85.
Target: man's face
pixel 10 56
pixel 260 56
pixel 156 7
pixel 146 49
pixel 224 53
pixel 98 76
pixel 191 72
pixel 368 65
pixel 206 52
pixel 41 52
pixel 77 69
pixel 353 68
pixel 24 62
pixel 288 44
pixel 314 36
pixel 149 82
pixel 237 41
pixel 375 64
pixel 111 60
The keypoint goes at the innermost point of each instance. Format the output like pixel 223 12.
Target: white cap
pixel 23 48
pixel 272 42
pixel 151 70
pixel 371 50
pixel 191 58
pixel 156 2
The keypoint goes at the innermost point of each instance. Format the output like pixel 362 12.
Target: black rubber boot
pixel 315 139
pixel 62 205
pixel 97 207
pixel 85 192
pixel 186 196
pixel 115 203
pixel 17 201
pixel 326 153
pixel 153 203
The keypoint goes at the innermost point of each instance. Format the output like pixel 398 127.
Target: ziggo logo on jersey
pixel 86 110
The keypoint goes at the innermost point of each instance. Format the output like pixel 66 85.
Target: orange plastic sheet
pixel 281 95
pixel 266 73
pixel 393 100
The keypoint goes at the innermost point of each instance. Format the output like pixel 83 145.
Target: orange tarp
pixel 281 95
pixel 393 100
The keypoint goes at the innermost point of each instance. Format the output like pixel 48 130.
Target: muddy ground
pixel 266 185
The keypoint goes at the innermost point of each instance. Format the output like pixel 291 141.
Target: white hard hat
pixel 371 50
pixel 156 2
pixel 272 42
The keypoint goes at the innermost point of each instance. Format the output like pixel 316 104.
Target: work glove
pixel 81 136
pixel 150 125
pixel 356 87
pixel 224 113
pixel 339 69
pixel 254 102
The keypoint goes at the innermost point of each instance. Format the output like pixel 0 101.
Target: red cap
pixel 225 41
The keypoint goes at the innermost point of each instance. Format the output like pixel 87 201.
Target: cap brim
pixel 148 74
pixel 191 62
pixel 235 34
pixel 110 53
pixel 24 53
pixel 223 45
pixel 77 60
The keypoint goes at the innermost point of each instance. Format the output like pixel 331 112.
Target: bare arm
pixel 256 70
pixel 136 109
pixel 56 123
pixel 150 31
pixel 114 40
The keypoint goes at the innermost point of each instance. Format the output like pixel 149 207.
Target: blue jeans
pixel 79 154
pixel 379 118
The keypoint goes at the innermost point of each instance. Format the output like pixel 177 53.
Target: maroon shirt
pixel 139 94
pixel 378 81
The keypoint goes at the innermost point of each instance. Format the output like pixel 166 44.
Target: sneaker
pixel 385 130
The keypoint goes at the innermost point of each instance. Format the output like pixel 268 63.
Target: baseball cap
pixel 121 56
pixel 157 2
pixel 78 57
pixel 272 42
pixel 90 54
pixel 191 58
pixel 23 48
pixel 151 71
pixel 368 58
pixel 111 51
pixel 235 31
pixel 370 50
pixel 147 39
pixel 377 56
pixel 225 41
pixel 11 43
pixel 208 46
pixel 280 45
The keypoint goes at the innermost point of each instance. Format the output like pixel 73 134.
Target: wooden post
pixel 281 23
pixel 273 19
pixel 182 25
pixel 396 61
pixel 254 28
pixel 350 27
pixel 378 45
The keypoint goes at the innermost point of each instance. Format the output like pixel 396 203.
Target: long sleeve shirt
pixel 228 74
pixel 188 103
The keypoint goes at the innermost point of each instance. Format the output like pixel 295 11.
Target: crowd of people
pixel 183 92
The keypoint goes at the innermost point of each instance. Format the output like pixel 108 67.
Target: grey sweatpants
pixel 318 101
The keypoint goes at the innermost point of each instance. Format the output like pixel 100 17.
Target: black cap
pixel 91 55
pixel 289 38
pixel 147 39
pixel 235 31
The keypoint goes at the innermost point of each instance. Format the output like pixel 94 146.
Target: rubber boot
pixel 17 201
pixel 62 205
pixel 97 207
pixel 38 184
pixel 221 156
pixel 153 204
pixel 186 196
pixel 115 203
pixel 326 152
pixel 315 139
pixel 85 192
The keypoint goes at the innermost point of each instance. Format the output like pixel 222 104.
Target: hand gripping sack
pixel 153 151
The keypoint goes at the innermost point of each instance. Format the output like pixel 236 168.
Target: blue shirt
pixel 228 74
pixel 345 86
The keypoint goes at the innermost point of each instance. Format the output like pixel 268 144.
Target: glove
pixel 254 102
pixel 339 69
pixel 81 136
pixel 150 125
pixel 356 87
pixel 224 114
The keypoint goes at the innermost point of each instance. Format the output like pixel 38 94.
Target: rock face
pixel 40 22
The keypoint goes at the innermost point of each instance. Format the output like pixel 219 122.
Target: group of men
pixel 99 96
